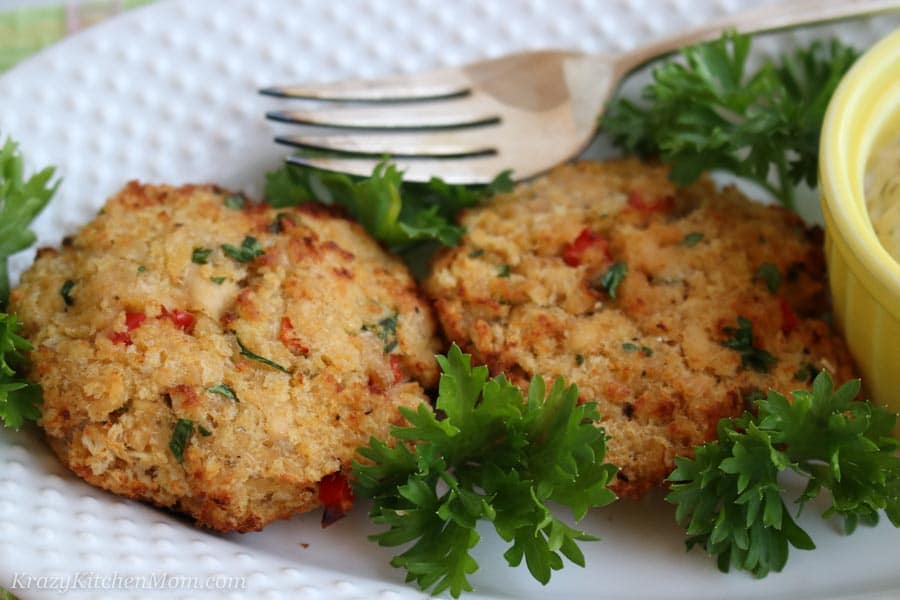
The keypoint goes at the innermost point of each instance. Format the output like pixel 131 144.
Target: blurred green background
pixel 26 27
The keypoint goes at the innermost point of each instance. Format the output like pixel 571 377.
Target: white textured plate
pixel 167 94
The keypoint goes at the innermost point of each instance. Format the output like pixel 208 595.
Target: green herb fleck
pixel 476 253
pixel 579 359
pixel 741 341
pixel 769 274
pixel 692 239
pixel 386 330
pixel 235 201
pixel 503 271
pixel 246 353
pixel 223 390
pixel 629 347
pixel 141 269
pixel 249 250
pixel 200 256
pixel 276 226
pixel 217 280
pixel 180 436
pixel 204 431
pixel 66 292
pixel 614 276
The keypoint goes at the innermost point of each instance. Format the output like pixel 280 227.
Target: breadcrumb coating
pixel 287 338
pixel 608 275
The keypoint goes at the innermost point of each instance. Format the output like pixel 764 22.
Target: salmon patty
pixel 671 308
pixel 219 357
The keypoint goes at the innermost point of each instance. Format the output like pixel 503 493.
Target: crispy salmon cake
pixel 671 308
pixel 219 357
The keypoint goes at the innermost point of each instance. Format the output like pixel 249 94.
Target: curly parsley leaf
pixel 398 213
pixel 19 399
pixel 496 456
pixel 728 496
pixel 20 202
pixel 712 113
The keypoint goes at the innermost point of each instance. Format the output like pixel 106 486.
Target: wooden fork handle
pixel 771 17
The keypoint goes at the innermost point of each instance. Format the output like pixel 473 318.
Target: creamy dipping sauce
pixel 883 196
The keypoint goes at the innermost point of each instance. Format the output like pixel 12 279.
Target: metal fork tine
pixel 471 170
pixel 435 115
pixel 444 83
pixel 429 143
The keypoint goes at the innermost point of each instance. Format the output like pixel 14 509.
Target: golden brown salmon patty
pixel 607 275
pixel 284 339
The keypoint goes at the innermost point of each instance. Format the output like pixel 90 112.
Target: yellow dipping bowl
pixel 863 115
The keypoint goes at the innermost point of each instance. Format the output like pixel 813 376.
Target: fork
pixel 525 112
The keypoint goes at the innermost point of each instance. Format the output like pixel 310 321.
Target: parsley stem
pixel 449 479
pixel 785 190
pixel 4 283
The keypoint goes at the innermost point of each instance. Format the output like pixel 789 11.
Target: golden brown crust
pixel 150 330
pixel 653 356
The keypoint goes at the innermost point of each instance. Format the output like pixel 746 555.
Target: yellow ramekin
pixel 865 280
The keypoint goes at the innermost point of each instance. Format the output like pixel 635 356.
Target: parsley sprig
pixel 20 202
pixel 711 113
pixel 729 498
pixel 398 213
pixel 19 399
pixel 496 457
